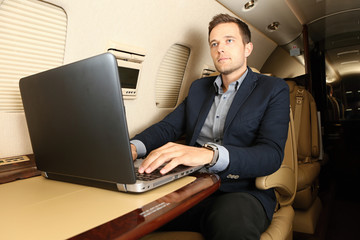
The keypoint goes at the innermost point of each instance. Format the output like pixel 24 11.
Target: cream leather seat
pixel 284 181
pixel 306 204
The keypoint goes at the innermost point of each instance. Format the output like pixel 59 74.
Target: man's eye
pixel 230 40
pixel 213 44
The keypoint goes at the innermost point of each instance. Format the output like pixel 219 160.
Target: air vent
pixel 170 76
pixel 12 160
pixel 126 52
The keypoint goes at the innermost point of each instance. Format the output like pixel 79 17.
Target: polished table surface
pixel 37 208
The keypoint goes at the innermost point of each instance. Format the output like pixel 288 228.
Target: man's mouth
pixel 223 59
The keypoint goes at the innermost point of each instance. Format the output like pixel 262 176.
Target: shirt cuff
pixel 223 160
pixel 140 147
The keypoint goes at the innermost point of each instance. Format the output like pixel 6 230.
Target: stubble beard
pixel 227 71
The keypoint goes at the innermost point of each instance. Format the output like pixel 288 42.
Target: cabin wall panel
pixel 154 26
pixel 281 64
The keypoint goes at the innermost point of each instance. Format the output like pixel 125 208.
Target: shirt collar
pixel 237 83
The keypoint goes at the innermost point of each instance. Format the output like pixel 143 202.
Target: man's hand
pixel 175 154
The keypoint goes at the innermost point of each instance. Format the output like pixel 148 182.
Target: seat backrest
pixel 333 112
pixel 284 180
pixel 333 109
pixel 305 123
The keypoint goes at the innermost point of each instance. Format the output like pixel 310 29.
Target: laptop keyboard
pixel 148 176
pixel 156 173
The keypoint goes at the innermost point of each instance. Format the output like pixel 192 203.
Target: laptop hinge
pixel 121 187
pixel 44 174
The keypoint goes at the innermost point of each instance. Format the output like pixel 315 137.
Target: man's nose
pixel 220 48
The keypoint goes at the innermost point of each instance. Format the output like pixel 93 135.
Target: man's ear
pixel 248 49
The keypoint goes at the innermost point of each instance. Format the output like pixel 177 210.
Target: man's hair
pixel 225 18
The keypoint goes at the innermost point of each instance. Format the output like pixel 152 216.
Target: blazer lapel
pixel 242 94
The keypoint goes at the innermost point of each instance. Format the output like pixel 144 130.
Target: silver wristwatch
pixel 215 149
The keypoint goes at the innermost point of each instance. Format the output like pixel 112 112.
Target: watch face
pixel 211 146
pixel 208 147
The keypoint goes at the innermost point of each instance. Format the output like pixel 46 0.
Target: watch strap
pixel 215 149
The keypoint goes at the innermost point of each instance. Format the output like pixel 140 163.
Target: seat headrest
pixel 254 70
pixel 214 74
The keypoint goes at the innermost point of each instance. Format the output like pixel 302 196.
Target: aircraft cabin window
pixel 32 39
pixel 170 76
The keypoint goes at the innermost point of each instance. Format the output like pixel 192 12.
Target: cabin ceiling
pixel 333 22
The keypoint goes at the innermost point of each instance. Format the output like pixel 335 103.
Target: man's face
pixel 227 49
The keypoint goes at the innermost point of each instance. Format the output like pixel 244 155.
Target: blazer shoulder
pixel 204 81
pixel 202 84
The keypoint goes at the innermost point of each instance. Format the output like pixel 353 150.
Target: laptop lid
pixel 76 120
pixel 78 129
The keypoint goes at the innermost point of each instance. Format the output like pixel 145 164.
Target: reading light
pixel 249 5
pixel 273 26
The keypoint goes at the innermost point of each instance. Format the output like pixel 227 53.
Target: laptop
pixel 78 129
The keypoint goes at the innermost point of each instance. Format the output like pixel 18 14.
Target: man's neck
pixel 227 79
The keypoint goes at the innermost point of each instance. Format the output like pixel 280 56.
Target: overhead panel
pixel 265 13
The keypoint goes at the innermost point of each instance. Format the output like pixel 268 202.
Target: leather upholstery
pixel 308 139
pixel 281 225
pixel 308 152
pixel 284 181
pixel 305 197
pixel 308 173
pixel 305 220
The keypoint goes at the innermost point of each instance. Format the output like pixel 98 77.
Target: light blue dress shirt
pixel 213 128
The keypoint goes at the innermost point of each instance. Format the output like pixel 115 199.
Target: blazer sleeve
pixel 184 119
pixel 167 130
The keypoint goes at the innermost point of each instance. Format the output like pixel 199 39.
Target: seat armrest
pixel 283 181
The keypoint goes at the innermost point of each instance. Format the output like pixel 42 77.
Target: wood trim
pixel 155 214
pixel 21 170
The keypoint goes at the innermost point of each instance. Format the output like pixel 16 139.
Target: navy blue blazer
pixel 255 130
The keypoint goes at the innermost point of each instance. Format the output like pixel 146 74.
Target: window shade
pixel 32 39
pixel 170 76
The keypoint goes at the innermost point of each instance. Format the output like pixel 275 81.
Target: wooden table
pixel 38 208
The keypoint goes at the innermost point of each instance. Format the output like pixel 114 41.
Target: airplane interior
pixel 161 47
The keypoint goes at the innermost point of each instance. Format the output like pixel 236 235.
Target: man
pixel 241 120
